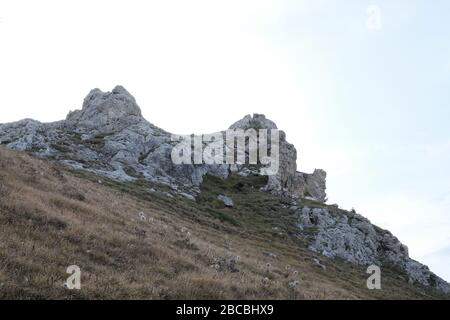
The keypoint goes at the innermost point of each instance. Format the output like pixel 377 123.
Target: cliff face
pixel 109 137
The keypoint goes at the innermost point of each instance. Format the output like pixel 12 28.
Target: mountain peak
pixel 106 111
pixel 96 99
pixel 258 121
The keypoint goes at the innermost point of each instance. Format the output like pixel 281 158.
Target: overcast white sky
pixel 360 87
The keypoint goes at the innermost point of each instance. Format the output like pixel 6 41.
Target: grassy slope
pixel 51 218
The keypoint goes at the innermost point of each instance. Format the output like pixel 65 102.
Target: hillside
pixel 221 215
pixel 138 239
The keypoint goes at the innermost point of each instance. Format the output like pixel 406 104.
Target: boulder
pixel 227 201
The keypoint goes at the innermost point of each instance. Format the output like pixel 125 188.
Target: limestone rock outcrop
pixel 110 137
pixel 105 113
pixel 288 180
pixel 336 233
pixel 227 201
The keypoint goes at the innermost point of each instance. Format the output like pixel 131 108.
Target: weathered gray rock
pixel 353 238
pixel 20 135
pixel 316 184
pixel 105 113
pixel 188 196
pixel 258 121
pixel 227 201
pixel 109 137
pixel 288 180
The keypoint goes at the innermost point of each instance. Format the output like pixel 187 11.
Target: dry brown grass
pixel 51 218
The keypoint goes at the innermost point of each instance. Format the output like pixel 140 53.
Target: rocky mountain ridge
pixel 109 137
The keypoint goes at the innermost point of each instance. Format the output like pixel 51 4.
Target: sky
pixel 361 88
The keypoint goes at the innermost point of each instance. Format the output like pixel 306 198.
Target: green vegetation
pixel 97 142
pixel 254 210
pixel 222 216
pixel 60 147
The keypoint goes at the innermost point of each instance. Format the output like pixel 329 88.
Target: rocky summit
pixel 109 137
